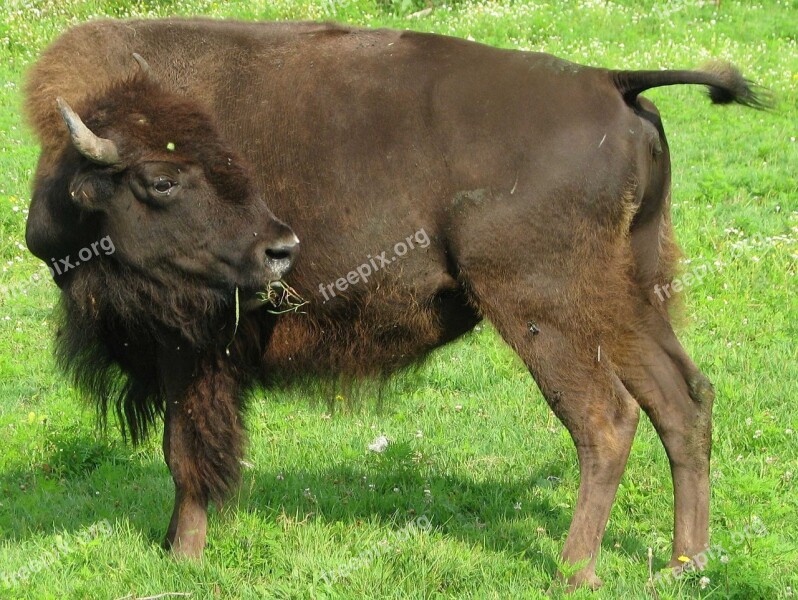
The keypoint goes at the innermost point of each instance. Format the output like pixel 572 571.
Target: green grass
pixel 476 450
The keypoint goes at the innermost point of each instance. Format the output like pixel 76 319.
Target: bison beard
pixel 110 323
pixel 110 320
pixel 548 214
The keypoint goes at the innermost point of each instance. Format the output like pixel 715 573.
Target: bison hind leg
pixel 563 349
pixel 678 399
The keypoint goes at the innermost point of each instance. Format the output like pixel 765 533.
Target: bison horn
pixel 145 68
pixel 96 149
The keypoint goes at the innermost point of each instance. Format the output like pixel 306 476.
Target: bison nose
pixel 280 255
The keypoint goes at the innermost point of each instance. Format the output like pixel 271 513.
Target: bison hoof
pixel 189 551
pixel 589 581
pixel 585 579
pixel 188 546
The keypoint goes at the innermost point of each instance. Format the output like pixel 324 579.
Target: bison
pixel 534 192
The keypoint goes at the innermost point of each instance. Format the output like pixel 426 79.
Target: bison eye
pixel 162 185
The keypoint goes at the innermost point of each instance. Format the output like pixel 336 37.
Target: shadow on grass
pixel 86 479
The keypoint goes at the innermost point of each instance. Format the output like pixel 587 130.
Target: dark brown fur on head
pixel 113 315
pixel 151 123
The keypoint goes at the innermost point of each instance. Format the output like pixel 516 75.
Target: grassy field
pixel 474 496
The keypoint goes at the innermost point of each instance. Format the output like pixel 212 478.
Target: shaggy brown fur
pixel 543 188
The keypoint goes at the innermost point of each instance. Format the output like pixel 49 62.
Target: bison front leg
pixel 187 528
pixel 202 444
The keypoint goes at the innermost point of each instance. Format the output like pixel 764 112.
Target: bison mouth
pixel 276 297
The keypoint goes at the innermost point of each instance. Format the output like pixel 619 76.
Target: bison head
pixel 175 200
pixel 147 169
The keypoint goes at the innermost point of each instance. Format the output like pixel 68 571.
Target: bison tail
pixel 725 83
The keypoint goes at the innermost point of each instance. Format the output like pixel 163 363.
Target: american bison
pixel 534 193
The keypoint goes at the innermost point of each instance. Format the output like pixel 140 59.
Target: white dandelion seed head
pixel 379 444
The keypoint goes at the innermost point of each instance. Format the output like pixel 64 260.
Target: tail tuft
pixel 734 88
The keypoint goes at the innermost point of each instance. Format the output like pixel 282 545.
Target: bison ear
pixel 91 190
pixel 56 226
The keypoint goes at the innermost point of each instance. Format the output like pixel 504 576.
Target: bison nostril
pixel 279 256
pixel 279 253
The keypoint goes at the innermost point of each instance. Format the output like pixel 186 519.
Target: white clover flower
pixel 703 582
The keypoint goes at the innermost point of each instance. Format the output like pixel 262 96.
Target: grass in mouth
pixel 279 295
pixel 282 297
